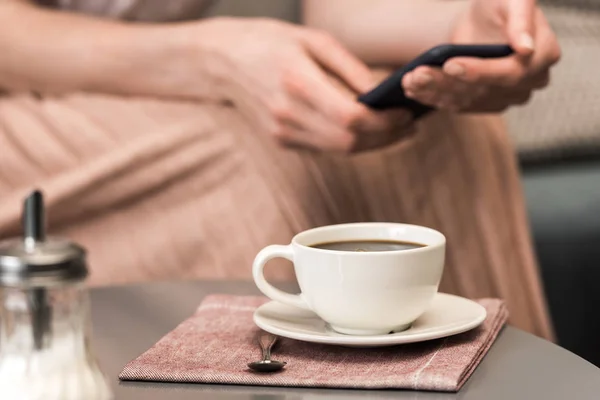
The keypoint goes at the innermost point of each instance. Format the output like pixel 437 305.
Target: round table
pixel 130 319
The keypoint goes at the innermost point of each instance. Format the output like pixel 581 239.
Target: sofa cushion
pixel 563 120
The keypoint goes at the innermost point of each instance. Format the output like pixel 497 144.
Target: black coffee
pixel 368 245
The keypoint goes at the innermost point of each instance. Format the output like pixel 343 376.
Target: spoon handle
pixel 266 341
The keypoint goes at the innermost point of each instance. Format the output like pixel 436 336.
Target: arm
pixel 56 52
pixel 274 73
pixel 377 31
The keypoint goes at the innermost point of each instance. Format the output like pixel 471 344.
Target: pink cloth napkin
pixel 216 343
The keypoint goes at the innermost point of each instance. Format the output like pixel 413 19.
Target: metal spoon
pixel 266 342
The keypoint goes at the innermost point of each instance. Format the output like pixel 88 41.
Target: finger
pixel 422 78
pixel 435 79
pixel 521 98
pixel 426 97
pixel 452 102
pixel 335 57
pixel 306 127
pixel 492 106
pixel 385 123
pixel 399 118
pixel 508 71
pixel 295 136
pixel 436 86
pixel 424 85
pixel 534 82
pixel 520 25
pixel 298 120
pixel 314 88
pixel 547 51
pixel 373 123
pixel 308 83
pixel 540 81
pixel 499 102
pixel 547 40
pixel 400 126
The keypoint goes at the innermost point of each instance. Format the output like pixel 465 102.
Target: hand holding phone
pixel 390 93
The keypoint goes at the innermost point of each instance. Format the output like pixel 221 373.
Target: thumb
pixel 520 25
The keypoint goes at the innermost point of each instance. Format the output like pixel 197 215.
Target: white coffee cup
pixel 360 293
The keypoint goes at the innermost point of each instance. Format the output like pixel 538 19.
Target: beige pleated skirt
pixel 160 190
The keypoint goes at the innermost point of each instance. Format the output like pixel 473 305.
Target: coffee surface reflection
pixel 367 245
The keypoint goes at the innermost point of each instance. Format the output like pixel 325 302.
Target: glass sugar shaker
pixel 45 327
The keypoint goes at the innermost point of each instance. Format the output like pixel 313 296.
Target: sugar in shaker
pixel 45 327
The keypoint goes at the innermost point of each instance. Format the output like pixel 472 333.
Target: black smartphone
pixel 390 94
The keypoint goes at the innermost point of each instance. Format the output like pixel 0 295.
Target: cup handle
pixel 261 259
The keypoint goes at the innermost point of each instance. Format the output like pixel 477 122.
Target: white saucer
pixel 447 315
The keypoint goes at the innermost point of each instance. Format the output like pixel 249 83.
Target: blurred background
pixel 557 139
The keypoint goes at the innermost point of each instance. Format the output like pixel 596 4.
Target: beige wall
pixel 283 9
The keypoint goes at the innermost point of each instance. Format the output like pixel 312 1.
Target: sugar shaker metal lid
pixel 37 261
